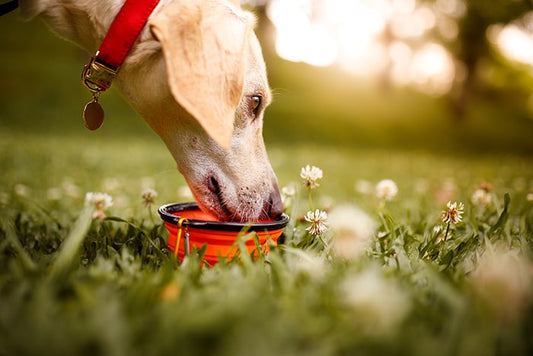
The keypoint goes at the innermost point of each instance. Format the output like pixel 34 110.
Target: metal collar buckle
pixel 97 76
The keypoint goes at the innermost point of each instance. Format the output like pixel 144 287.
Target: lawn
pixel 388 276
pixel 387 281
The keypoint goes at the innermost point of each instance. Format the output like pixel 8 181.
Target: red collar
pixel 119 40
pixel 103 67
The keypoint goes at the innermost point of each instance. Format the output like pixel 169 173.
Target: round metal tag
pixel 93 115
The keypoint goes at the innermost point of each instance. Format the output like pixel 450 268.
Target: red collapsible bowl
pixel 219 237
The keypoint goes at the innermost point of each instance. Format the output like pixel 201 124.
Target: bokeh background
pixel 432 74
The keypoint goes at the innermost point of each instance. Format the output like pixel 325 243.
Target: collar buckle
pixel 97 76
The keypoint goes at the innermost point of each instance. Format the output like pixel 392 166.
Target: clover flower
pixel 454 213
pixel 317 219
pixel 353 230
pixel 386 189
pixel 287 195
pixel 502 280
pixel 311 175
pixel 101 202
pixel 148 196
pixel 481 197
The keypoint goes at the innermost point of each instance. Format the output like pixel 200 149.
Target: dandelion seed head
pixel 318 222
pixel 311 175
pixel 386 189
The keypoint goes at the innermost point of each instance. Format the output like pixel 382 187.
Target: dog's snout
pixel 276 205
pixel 212 184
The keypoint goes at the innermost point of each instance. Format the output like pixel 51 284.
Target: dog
pixel 197 76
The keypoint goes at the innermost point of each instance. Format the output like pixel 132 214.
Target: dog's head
pixel 201 84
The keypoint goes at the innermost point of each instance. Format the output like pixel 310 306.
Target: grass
pixel 120 292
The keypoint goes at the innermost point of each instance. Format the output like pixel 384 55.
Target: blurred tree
pixel 472 45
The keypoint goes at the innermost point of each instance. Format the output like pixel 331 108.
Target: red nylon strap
pixel 124 31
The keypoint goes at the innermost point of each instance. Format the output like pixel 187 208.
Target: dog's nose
pixel 276 205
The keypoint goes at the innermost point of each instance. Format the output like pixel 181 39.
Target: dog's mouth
pixel 246 207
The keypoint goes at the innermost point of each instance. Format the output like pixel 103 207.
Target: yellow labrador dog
pixel 197 76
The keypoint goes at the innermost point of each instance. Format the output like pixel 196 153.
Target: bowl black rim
pixel 166 212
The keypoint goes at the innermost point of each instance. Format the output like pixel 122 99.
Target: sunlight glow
pixel 370 37
pixel 515 42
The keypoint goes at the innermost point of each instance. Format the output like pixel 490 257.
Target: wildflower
pixel 453 214
pixel 447 191
pixel 363 186
pixel 311 175
pixel 287 195
pixel 111 184
pixel 529 197
pixel 101 202
pixel 317 219
pixel 148 196
pixel 307 263
pixel 379 304
pixel 4 199
pixel 22 190
pixel 185 192
pixel 70 188
pixel 481 197
pixel 353 230
pixel 502 280
pixel 54 194
pixel 386 189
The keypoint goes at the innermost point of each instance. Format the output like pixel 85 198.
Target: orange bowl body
pixel 219 237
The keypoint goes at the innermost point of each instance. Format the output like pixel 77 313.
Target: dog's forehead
pixel 256 73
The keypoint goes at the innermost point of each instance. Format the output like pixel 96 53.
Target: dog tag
pixel 93 115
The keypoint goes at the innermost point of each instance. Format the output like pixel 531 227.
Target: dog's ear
pixel 203 45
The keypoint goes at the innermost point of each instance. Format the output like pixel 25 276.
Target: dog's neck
pixel 83 22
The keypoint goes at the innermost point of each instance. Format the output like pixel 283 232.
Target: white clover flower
pixel 311 175
pixel 386 189
pixel 481 197
pixel 70 188
pixel 454 213
pixel 185 192
pixel 317 219
pixel 307 262
pixel 287 194
pixel 353 230
pixel 378 303
pixel 112 184
pixel 148 196
pixel 503 279
pixel 100 201
pixel 54 194
pixel 363 186
pixel 22 190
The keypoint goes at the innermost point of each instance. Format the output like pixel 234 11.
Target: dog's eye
pixel 255 103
